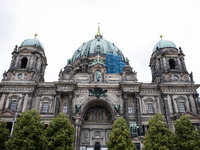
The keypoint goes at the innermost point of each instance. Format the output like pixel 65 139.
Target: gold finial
pixel 36 35
pixel 98 33
pixel 161 36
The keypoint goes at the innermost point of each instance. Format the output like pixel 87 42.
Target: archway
pixel 97 123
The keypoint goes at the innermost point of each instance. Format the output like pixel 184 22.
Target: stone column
pixel 29 102
pixel 77 131
pixel 25 102
pixel 183 64
pixel 179 63
pixel 1 101
pixel 167 112
pixel 37 103
pixel 195 96
pixel 145 129
pixel 161 64
pixel 172 102
pixel 164 64
pixel 20 103
pixel 125 105
pixel 4 101
pixel 190 106
pixel 39 64
pixel 138 112
pixel 12 62
pixel 162 105
pixel 70 110
pixel 17 62
pixel 58 102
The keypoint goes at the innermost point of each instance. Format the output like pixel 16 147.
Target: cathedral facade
pixel 93 98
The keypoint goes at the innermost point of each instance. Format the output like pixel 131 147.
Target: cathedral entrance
pixel 96 128
pixel 97 146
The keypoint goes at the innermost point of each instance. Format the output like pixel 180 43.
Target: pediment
pixel 24 50
pixel 98 65
pixel 172 51
pixel 7 113
pixel 193 117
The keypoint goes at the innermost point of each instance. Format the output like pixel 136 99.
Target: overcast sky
pixel 133 25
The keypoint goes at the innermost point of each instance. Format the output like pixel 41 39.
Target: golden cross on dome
pixel 161 36
pixel 98 56
pixel 98 33
pixel 36 35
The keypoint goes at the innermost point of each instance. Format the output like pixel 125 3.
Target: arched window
pixel 172 64
pixel 24 61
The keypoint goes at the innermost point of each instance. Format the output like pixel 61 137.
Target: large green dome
pixel 96 46
pixel 163 44
pixel 32 42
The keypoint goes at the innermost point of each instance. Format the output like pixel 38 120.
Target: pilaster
pixel 172 102
pixel 57 106
pixel 167 112
pixel 195 96
pixel 125 105
pixel 70 110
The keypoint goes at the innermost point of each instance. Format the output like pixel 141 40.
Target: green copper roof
pixel 32 42
pixel 96 46
pixel 163 44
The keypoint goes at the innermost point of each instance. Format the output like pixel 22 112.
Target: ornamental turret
pixel 167 63
pixel 28 62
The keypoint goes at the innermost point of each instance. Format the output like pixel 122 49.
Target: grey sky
pixel 134 26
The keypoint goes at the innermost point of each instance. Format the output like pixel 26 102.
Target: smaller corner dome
pixel 163 44
pixel 32 42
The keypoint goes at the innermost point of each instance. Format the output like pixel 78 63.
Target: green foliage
pixel 120 137
pixel 27 133
pixel 59 134
pixel 158 137
pixel 186 136
pixel 4 134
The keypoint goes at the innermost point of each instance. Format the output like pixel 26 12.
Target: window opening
pixel 45 107
pixel 64 109
pixel 13 105
pixel 24 62
pixel 97 146
pixel 149 108
pixel 172 64
pixel 130 109
pixel 181 106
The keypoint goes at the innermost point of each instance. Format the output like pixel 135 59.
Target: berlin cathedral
pixel 93 96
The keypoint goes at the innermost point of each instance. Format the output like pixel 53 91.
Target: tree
pixel 158 137
pixel 4 134
pixel 186 136
pixel 59 134
pixel 28 132
pixel 120 137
